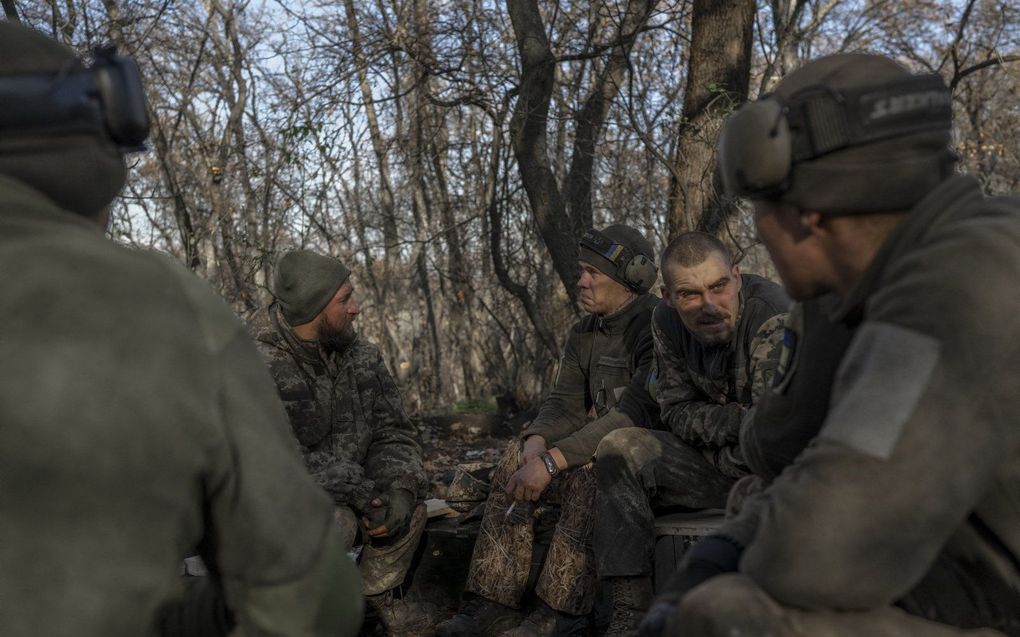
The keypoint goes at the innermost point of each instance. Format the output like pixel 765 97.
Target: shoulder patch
pixel 877 387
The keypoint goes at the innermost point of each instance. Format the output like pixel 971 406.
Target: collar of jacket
pixel 919 221
pixel 21 201
pixel 308 351
pixel 617 322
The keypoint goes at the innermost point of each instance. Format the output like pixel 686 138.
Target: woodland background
pixel 451 151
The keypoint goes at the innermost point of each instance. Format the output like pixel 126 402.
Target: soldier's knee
pixel 727 605
pixel 621 453
pixel 629 445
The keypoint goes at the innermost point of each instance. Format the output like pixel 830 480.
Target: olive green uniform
pixel 137 426
pixel 599 388
pixel 910 494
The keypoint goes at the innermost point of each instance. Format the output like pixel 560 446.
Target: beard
pixel 333 339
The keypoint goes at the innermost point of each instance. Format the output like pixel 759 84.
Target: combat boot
pixel 631 597
pixel 538 623
pixel 479 617
pixel 403 618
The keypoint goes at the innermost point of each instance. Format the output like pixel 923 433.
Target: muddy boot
pixel 538 623
pixel 631 597
pixel 479 617
pixel 403 618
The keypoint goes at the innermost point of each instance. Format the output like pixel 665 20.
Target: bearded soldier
pixel 347 415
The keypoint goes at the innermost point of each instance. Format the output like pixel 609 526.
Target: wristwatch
pixel 550 464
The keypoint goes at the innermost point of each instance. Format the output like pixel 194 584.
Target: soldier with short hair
pixel 348 417
pixel 137 423
pixel 902 516
pixel 599 388
pixel 716 334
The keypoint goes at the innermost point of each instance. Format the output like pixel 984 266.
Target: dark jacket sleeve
pixel 565 409
pixel 394 459
pixel 635 408
pixel 921 431
pixel 791 411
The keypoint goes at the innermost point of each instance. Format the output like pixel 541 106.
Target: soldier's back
pixel 112 429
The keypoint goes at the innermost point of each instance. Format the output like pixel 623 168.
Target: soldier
pixel 902 517
pixel 138 423
pixel 716 334
pixel 347 415
pixel 599 388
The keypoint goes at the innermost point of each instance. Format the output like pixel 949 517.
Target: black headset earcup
pixel 641 272
pixel 755 150
pixel 125 110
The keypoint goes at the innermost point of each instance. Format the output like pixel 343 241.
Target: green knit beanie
pixel 304 283
pixel 80 172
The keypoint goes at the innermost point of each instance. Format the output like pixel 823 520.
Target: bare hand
pixel 529 481
pixel 533 446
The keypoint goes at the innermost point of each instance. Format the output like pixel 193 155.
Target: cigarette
pixel 510 510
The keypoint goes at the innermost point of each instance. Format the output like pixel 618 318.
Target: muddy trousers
pixel 639 470
pixel 383 567
pixel 501 561
pixel 735 605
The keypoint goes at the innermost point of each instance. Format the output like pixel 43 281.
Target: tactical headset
pixel 762 141
pixel 636 270
pixel 106 97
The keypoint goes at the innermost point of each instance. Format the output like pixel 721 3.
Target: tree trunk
pixel 718 74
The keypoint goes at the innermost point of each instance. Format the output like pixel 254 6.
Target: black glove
pixel 714 555
pixel 654 621
pixel 392 510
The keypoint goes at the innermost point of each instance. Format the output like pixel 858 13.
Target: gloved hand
pixel 346 482
pixel 654 622
pixel 713 555
pixel 388 515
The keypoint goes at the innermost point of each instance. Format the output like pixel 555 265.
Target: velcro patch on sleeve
pixel 878 385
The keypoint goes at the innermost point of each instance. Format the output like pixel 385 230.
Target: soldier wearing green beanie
pixel 902 516
pixel 138 425
pixel 347 415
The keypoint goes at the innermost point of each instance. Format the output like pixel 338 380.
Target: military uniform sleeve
pixel 635 408
pixel 685 410
pixel 920 430
pixel 764 355
pixel 394 459
pixel 565 410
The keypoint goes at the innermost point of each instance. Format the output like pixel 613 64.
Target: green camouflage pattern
pixel 346 413
pixel 705 409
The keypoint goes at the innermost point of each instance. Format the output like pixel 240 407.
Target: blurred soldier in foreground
pixel 716 335
pixel 137 423
pixel 348 417
pixel 600 387
pixel 903 516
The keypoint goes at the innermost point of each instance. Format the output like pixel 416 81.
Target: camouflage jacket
pixel 346 413
pixel 704 392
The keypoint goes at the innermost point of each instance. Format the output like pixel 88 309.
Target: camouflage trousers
pixel 502 557
pixel 383 567
pixel 735 605
pixel 639 470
